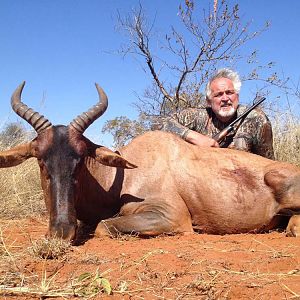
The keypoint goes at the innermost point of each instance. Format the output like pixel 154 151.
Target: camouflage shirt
pixel 253 135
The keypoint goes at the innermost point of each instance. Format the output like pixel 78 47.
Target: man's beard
pixel 227 113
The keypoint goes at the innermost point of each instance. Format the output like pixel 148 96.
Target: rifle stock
pixel 222 134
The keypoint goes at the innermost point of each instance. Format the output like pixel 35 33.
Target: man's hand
pixel 199 139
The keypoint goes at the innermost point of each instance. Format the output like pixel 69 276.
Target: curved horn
pixel 37 121
pixel 83 121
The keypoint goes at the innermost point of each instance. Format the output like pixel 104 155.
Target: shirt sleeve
pixel 255 135
pixel 264 146
pixel 179 123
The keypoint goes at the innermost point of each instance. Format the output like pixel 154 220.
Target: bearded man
pixel 198 125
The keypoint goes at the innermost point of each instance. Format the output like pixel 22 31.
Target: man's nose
pixel 225 97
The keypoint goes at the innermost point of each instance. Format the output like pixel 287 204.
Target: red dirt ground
pixel 198 266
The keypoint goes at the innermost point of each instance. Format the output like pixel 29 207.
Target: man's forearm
pixel 199 139
pixel 170 125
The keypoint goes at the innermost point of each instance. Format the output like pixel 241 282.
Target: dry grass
pixel 145 275
pixel 17 280
pixel 20 190
pixel 49 248
pixel 286 131
pixel 87 286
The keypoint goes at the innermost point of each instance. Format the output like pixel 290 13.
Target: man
pixel 198 125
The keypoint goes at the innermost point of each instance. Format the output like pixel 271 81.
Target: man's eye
pixel 229 92
pixel 218 95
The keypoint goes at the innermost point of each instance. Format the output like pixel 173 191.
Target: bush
pixel 286 131
pixel 20 190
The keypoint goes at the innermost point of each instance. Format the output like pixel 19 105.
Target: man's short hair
pixel 225 73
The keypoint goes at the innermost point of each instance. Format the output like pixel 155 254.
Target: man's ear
pixel 16 155
pixel 109 158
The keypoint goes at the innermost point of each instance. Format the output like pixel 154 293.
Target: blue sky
pixel 62 47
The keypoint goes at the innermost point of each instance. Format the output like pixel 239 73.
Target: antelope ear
pixel 16 155
pixel 112 159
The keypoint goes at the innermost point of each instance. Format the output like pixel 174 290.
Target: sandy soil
pixel 244 266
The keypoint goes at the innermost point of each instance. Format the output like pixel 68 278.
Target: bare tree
pixel 13 134
pixel 181 61
pixel 123 129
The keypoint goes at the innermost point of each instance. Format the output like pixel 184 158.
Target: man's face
pixel 223 99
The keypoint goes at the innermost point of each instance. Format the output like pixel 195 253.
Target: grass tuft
pixel 49 248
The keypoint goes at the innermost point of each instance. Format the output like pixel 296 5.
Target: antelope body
pixel 156 184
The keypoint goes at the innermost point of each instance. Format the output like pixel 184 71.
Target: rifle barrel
pixel 223 133
pixel 248 110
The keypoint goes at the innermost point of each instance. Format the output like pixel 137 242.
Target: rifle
pixel 219 137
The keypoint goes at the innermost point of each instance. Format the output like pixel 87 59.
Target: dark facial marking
pixel 59 156
pixel 59 161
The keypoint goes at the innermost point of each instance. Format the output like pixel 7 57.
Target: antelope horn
pixel 83 121
pixel 37 121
